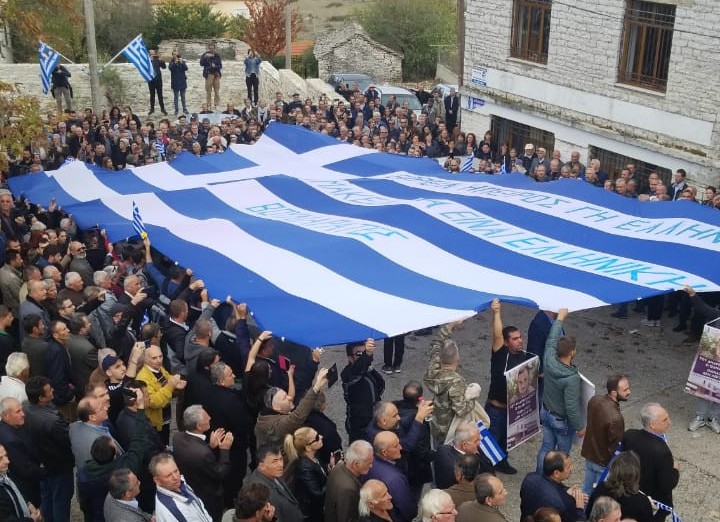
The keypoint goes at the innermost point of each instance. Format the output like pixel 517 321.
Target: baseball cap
pixel 109 361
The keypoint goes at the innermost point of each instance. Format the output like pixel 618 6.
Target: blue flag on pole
pixel 138 224
pixel 49 59
pixel 137 54
pixel 489 446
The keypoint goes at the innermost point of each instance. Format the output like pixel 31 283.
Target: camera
pixel 128 392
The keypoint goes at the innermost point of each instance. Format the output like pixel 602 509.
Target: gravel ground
pixel 653 358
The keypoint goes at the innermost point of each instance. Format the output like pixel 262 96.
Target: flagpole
pixel 63 56
pixel 115 57
pixel 92 55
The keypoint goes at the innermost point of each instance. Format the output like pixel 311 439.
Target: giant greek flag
pixel 328 242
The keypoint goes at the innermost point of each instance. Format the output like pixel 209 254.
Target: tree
pixel 20 122
pixel 117 22
pixel 414 31
pixel 266 31
pixel 59 22
pixel 191 20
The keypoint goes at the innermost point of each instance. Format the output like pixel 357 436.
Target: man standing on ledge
pixel 507 353
pixel 155 85
pixel 212 67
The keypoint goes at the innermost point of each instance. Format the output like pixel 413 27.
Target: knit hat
pixel 109 361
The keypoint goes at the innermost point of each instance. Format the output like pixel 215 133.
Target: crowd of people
pixel 99 341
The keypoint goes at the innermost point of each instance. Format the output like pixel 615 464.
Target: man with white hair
pixel 25 469
pixel 437 506
pixel 465 441
pixel 375 501
pixel 73 290
pixel 343 486
pixel 605 509
pixel 659 471
pixel 203 468
pixel 17 371
pixel 79 263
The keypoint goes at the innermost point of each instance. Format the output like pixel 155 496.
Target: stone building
pixel 350 50
pixel 620 80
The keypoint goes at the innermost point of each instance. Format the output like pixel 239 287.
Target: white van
pixel 402 95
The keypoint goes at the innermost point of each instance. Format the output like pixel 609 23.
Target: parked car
pixel 343 83
pixel 402 95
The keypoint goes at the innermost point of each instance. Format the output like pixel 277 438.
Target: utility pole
pixel 92 55
pixel 461 41
pixel 288 35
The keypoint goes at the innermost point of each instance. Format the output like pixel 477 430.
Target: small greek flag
pixel 489 446
pixel 137 54
pixel 467 165
pixel 49 59
pixel 665 507
pixel 138 224
pixel 160 148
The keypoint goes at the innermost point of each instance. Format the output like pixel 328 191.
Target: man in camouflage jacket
pixel 442 378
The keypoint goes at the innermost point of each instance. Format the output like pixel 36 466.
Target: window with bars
pixel 647 42
pixel 517 135
pixel 531 30
pixel 612 163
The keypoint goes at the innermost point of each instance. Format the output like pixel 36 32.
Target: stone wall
pixel 192 49
pixel 233 89
pixel 359 55
pixel 585 42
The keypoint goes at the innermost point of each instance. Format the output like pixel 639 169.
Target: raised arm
pixel 256 348
pixel 497 325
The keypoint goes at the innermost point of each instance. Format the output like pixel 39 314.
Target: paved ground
pixel 655 361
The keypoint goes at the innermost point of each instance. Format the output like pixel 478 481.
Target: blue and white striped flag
pixel 425 246
pixel 665 507
pixel 489 446
pixel 138 55
pixel 467 165
pixel 49 58
pixel 138 224
pixel 160 148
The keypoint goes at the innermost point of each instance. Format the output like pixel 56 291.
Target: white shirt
pixel 12 387
pixel 193 511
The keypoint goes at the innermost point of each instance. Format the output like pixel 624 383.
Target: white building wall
pixel 576 95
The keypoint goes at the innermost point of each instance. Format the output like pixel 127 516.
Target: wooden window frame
pixel 646 44
pixel 531 30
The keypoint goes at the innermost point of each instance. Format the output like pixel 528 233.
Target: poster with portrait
pixel 704 378
pixel 522 402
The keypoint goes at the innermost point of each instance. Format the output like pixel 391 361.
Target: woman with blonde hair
pixel 304 473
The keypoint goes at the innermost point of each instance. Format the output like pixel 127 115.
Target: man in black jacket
pixel 26 469
pixel 59 370
pixel 659 473
pixel 363 387
pixel 228 410
pixel 48 430
pixel 13 507
pixel 155 85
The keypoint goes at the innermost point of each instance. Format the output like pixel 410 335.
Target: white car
pixel 402 95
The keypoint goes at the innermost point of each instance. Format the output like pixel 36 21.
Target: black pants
pixel 156 87
pixel 394 349
pixel 252 83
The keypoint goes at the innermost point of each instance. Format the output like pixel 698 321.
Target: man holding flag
pixel 49 58
pixel 61 88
